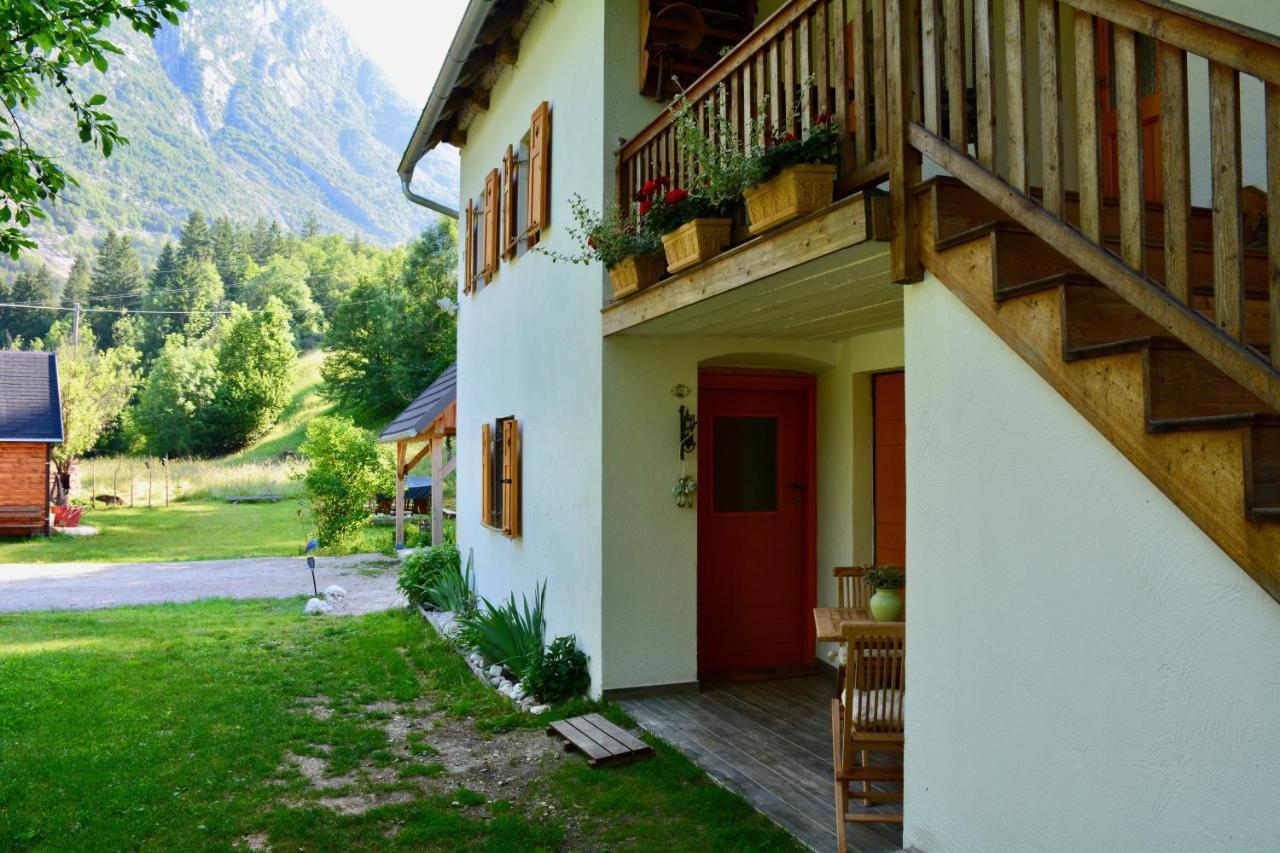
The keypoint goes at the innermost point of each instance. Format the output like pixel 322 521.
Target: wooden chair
pixel 868 718
pixel 851 586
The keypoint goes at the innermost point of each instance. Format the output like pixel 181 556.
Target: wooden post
pixel 130 482
pixel 400 475
pixel 93 478
pixel 165 463
pixel 149 472
pixel 904 159
pixel 437 489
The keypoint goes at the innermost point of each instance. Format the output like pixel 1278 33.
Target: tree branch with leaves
pixel 43 44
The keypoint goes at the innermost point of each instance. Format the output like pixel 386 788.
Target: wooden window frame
pixel 500 489
pixel 538 209
pixel 492 225
pixel 468 250
pixel 510 203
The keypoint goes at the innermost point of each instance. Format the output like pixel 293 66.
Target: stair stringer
pixel 1201 471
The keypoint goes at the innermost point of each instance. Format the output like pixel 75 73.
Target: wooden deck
pixel 770 742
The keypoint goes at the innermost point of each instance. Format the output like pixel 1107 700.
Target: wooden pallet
pixel 603 743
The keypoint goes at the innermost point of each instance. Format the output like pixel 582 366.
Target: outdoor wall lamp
pixel 688 439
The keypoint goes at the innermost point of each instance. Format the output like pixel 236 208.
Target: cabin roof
pixel 428 406
pixel 30 407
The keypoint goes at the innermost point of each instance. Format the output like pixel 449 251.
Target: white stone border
pixel 446 625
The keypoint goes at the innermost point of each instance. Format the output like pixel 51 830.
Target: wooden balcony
pixel 762 83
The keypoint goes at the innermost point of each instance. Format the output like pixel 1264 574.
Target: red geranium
pixel 647 191
pixel 676 196
pixel 664 181
pixel 644 207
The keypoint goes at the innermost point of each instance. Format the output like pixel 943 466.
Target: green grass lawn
pixel 229 724
pixel 191 530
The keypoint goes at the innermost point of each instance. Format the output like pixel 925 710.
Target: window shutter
pixel 486 476
pixel 468 249
pixel 539 170
pixel 492 217
pixel 511 477
pixel 510 222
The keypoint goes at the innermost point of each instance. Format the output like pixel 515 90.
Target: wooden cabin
pixel 30 425
pixel 419 430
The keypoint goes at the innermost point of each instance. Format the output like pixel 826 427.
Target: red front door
pixel 1149 102
pixel 889 405
pixel 755 521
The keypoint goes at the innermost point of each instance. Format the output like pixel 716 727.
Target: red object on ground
pixel 67 516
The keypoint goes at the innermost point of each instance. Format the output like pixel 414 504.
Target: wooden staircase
pixel 1206 442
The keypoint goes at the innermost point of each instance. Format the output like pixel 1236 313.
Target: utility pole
pixel 75 328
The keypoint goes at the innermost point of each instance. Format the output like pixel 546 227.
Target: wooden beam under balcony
pixel 846 223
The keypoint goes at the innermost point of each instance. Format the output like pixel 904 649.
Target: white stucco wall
pixel 1088 670
pixel 529 342
pixel 650 545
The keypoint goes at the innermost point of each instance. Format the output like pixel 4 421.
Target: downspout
pixel 473 18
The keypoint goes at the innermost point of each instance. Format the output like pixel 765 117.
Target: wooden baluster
pixel 1228 236
pixel 956 107
pixel 748 109
pixel 778 103
pixel 929 66
pixel 1129 151
pixel 1177 171
pixel 1050 109
pixel 880 75
pixel 1087 128
pixel 1273 217
pixel 791 104
pixel 840 83
pixel 1015 84
pixel 762 92
pixel 735 124
pixel 862 145
pixel 822 57
pixel 804 58
pixel 904 160
pixel 984 76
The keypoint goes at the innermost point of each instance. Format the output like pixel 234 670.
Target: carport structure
pixel 420 429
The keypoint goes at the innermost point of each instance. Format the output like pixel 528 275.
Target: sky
pixel 408 38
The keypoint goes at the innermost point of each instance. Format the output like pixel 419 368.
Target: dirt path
pixel 369 579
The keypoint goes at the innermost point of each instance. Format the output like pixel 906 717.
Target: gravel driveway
pixel 369 579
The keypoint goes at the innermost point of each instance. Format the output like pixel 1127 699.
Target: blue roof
pixel 30 407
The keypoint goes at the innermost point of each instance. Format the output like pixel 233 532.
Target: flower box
pixel 635 273
pixel 788 195
pixel 67 516
pixel 696 241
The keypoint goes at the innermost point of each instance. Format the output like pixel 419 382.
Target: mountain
pixel 248 108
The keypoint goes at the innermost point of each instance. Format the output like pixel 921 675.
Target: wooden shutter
pixel 486 476
pixel 539 171
pixel 510 221
pixel 468 249
pixel 511 477
pixel 492 217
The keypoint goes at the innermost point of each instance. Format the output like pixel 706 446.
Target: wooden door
pixel 756 532
pixel 890 440
pixel 1148 113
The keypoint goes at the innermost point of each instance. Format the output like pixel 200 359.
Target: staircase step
pixel 1262 472
pixel 1097 322
pixel 1185 391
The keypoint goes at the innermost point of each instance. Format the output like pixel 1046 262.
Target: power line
pixel 121 311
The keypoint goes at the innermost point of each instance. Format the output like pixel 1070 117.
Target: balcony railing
pixel 768 70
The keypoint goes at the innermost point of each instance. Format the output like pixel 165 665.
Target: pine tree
pixel 117 282
pixel 76 287
pixel 29 288
pixel 310 225
pixel 196 242
pixel 229 254
pixel 190 286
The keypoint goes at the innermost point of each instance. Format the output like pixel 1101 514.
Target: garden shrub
pixel 453 591
pixel 559 672
pixel 423 569
pixel 345 471
pixel 507 634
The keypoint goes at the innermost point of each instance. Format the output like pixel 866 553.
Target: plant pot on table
pixel 790 194
pixel 635 273
pixel 696 241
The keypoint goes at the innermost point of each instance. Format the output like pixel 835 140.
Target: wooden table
pixel 828 620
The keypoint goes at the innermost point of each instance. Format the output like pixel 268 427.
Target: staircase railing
pixel 945 102
pixel 768 70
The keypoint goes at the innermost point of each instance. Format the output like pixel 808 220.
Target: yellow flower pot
pixel 635 273
pixel 696 241
pixel 790 194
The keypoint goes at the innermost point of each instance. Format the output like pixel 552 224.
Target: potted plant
pixel 688 226
pixel 631 253
pixel 886 602
pixel 795 174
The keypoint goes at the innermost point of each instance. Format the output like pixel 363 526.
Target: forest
pixel 196 356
